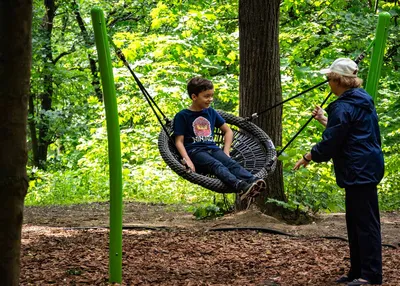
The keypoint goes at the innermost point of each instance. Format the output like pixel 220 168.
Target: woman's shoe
pixel 343 279
pixel 357 282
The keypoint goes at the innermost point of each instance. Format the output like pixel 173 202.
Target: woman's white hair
pixel 345 81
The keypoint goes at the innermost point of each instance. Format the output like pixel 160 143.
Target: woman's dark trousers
pixel 364 233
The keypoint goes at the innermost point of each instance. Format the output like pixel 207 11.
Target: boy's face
pixel 203 99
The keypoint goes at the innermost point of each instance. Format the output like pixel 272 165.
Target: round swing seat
pixel 251 147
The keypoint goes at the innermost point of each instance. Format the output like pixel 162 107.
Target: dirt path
pixel 175 217
pixel 166 245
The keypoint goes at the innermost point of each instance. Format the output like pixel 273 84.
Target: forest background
pixel 167 43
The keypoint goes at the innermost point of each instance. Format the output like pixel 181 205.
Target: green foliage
pixel 311 189
pixel 167 43
pixel 92 184
pixel 212 211
pixel 222 204
pixel 74 271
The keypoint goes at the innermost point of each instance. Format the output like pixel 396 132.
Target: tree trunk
pixel 15 60
pixel 88 43
pixel 32 130
pixel 260 83
pixel 47 96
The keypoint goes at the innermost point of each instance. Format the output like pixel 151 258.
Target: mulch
pixel 60 256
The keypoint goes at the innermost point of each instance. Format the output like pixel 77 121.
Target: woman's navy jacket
pixel 352 140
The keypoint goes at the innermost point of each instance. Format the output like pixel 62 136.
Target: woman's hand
pixel 318 114
pixel 303 161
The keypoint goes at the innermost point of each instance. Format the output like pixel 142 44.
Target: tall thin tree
pixel 15 62
pixel 89 43
pixel 47 97
pixel 260 83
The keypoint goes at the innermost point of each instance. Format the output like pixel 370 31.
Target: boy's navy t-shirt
pixel 197 127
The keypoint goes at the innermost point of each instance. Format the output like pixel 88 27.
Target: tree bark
pixel 15 60
pixel 260 83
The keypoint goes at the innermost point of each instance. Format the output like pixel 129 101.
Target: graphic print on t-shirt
pixel 202 130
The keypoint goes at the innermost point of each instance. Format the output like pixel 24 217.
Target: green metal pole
pixel 114 146
pixel 377 54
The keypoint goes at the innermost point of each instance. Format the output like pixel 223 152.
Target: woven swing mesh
pixel 251 147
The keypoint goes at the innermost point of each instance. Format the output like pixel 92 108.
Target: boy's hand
pixel 189 164
pixel 228 138
pixel 227 152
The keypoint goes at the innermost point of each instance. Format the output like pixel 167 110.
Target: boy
pixel 352 140
pixel 194 139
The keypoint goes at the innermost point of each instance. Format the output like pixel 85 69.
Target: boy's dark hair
pixel 197 85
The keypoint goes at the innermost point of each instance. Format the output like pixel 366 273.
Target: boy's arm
pixel 228 138
pixel 182 150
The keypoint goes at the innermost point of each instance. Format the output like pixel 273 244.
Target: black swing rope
pixel 264 141
pixel 146 94
pixel 255 115
pixel 357 61
pixel 154 105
